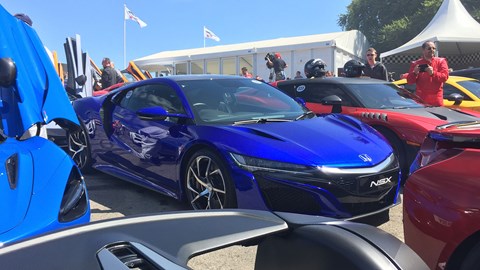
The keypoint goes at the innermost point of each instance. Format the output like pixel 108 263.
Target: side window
pixel 449 89
pixel 151 96
pixel 314 93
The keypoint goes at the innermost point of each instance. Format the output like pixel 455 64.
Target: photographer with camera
pixel 429 73
pixel 276 62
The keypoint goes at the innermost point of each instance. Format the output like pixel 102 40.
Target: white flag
pixel 130 16
pixel 209 34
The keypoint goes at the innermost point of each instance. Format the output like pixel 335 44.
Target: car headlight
pixel 258 164
pixel 74 201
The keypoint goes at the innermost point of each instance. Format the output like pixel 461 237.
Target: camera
pixel 270 56
pixel 422 67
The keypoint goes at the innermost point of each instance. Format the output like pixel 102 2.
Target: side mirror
pixel 300 101
pixel 8 72
pixel 456 98
pixel 335 101
pixel 157 113
pixel 81 80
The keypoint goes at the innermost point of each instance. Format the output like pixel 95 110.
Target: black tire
pixel 207 182
pixel 472 260
pixel 79 149
pixel 399 150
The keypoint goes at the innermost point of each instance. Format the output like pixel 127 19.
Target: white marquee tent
pixel 334 48
pixel 455 32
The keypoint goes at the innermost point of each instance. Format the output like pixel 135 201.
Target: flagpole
pixel 124 38
pixel 204 36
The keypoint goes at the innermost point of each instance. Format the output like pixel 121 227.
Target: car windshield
pixel 384 96
pixel 472 86
pixel 234 101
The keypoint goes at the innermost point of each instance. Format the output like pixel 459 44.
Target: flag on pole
pixel 209 34
pixel 130 16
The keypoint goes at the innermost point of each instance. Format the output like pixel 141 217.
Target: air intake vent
pixel 133 256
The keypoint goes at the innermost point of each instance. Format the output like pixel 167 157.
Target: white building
pixel 333 48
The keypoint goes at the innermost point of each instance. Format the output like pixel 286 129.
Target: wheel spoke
pixel 198 178
pixel 77 146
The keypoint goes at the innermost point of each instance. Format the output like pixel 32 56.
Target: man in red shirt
pixel 429 73
pixel 245 73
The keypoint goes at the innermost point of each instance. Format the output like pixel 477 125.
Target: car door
pixel 149 148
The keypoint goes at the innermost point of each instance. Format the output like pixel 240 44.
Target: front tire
pixel 472 261
pixel 208 184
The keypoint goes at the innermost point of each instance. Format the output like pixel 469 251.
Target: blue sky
pixel 173 24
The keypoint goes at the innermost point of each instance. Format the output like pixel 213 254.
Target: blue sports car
pixel 41 188
pixel 228 141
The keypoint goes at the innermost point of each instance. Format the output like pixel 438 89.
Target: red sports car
pixel 441 215
pixel 394 112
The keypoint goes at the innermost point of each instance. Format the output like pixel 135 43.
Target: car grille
pixel 343 197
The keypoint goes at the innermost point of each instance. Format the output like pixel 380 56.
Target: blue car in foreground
pixel 41 188
pixel 228 141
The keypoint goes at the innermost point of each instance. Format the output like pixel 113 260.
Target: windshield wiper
pixel 305 114
pixel 260 121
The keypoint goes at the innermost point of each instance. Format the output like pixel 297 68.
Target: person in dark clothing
pixel 278 66
pixel 374 69
pixel 109 74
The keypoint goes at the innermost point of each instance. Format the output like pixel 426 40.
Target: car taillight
pixel 433 151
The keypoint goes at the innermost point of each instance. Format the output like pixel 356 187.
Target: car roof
pixel 335 80
pixel 203 77
pixel 468 72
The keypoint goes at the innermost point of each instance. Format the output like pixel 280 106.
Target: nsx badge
pixel 365 157
pixel 381 182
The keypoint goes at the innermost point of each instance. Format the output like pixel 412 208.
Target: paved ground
pixel 111 198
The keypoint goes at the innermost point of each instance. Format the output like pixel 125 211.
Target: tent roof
pixel 452 26
pixel 347 41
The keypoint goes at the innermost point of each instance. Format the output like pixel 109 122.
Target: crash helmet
pixel 353 68
pixel 315 68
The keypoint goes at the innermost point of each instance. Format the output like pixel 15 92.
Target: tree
pixel 388 24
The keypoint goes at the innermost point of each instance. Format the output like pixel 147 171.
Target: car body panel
pixel 284 241
pixel 469 88
pixel 33 207
pixel 440 210
pixel 42 188
pixel 39 96
pixel 154 153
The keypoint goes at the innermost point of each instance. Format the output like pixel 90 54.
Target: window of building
pixel 197 67
pixel 245 61
pixel 213 66
pixel 181 69
pixel 228 66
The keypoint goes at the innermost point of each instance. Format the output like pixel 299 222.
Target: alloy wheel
pixel 206 184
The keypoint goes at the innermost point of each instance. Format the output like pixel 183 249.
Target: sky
pixel 172 24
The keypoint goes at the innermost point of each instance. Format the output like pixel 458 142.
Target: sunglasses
pixel 369 54
pixel 431 48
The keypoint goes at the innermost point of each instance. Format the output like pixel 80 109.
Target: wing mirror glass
pixel 8 72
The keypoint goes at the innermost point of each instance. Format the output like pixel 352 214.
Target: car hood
pixel 437 113
pixel 37 95
pixel 333 140
pixel 14 197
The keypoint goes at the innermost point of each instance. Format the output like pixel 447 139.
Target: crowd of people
pixel 429 72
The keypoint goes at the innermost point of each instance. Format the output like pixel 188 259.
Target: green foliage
pixel 388 24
